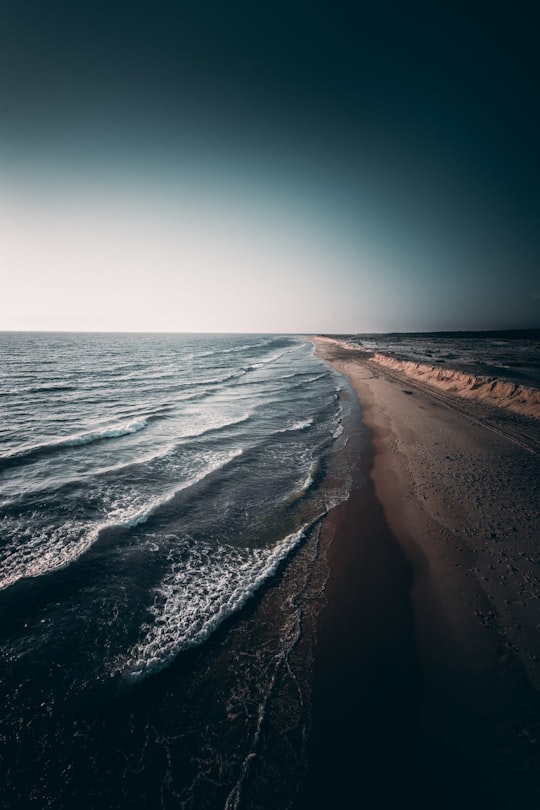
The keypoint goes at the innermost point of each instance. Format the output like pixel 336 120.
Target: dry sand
pixel 428 679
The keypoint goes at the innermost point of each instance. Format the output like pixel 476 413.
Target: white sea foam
pixel 76 439
pixel 33 553
pixel 301 425
pixel 309 478
pixel 112 432
pixel 209 426
pixel 203 588
pixel 267 360
pixel 89 475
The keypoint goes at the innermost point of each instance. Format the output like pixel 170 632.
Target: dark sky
pixel 421 120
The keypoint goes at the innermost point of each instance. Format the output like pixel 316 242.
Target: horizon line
pixel 267 332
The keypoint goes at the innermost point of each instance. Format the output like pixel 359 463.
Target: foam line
pixel 46 551
pixel 198 594
pixel 75 440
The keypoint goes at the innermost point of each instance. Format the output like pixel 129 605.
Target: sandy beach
pixel 428 669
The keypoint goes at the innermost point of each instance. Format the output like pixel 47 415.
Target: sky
pixel 269 167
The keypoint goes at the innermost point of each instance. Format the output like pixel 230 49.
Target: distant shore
pixel 428 664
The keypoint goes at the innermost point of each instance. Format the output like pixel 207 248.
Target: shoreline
pixel 427 672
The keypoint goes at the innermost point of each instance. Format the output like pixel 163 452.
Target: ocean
pixel 161 571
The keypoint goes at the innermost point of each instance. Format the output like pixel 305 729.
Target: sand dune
pixel 493 391
pixel 490 390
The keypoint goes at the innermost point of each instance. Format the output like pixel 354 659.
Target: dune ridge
pixel 500 393
pixel 491 390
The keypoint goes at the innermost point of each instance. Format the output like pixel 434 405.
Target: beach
pixel 238 575
pixel 427 669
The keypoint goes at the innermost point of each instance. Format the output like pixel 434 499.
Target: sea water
pixel 161 500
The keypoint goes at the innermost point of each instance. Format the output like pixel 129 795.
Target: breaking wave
pixel 73 440
pixel 202 589
pixel 43 551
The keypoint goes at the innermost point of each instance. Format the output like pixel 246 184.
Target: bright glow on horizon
pixel 194 261
pixel 222 250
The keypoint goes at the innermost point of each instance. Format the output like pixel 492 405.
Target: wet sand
pixel 427 674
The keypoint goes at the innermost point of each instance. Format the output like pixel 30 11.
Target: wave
pixel 310 478
pixel 73 440
pixel 215 428
pixel 305 486
pixel 47 551
pixel 91 475
pixel 265 361
pixel 302 383
pixel 198 594
pixel 301 425
pixel 165 451
pixel 37 389
pixel 145 383
pixel 231 350
pixel 202 383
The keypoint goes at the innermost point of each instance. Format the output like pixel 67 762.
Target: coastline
pixel 427 671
